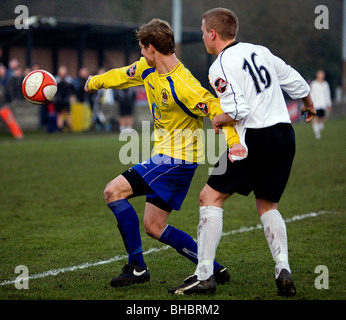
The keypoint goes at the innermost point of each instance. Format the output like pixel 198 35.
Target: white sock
pixel 321 126
pixel 316 129
pixel 208 235
pixel 275 233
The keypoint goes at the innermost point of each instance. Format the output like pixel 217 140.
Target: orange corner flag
pixel 11 122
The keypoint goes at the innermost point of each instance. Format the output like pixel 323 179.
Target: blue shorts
pixel 169 178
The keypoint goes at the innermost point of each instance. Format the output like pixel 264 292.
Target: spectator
pixel 98 119
pixel 79 83
pixel 3 74
pixel 14 84
pixel 14 63
pixel 35 66
pixel 63 99
pixel 3 79
pixel 126 98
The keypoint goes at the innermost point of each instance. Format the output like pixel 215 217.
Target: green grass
pixel 53 215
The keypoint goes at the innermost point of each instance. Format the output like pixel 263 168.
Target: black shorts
pixel 126 109
pixel 267 167
pixel 140 188
pixel 60 107
pixel 320 113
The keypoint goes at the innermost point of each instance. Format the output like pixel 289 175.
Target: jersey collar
pixel 231 45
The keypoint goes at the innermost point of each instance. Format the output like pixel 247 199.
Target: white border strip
pixel 55 272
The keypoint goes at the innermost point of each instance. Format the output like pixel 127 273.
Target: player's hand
pixel 237 150
pixel 310 112
pixel 86 86
pixel 221 120
pixel 308 107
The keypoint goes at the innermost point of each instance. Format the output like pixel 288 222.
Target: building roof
pixel 68 32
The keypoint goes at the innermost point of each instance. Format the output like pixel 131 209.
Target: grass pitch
pixel 54 221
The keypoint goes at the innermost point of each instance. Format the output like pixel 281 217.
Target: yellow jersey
pixel 177 102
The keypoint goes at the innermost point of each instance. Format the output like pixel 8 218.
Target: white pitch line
pixel 55 272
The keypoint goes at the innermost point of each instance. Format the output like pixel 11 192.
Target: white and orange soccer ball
pixel 39 87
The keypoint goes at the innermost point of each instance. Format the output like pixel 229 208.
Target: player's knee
pixel 112 192
pixel 149 231
pixel 203 197
pixel 153 230
pixel 211 197
pixel 117 189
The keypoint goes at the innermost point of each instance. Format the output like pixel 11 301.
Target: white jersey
pixel 320 94
pixel 248 80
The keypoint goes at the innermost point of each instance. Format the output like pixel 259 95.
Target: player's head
pixel 159 34
pixel 320 75
pixel 62 72
pixel 222 21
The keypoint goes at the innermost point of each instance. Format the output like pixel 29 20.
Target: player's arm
pixel 118 78
pixel 202 103
pixel 232 138
pixel 210 106
pixel 215 110
pixel 290 80
pixel 232 100
pixel 295 86
pixel 222 120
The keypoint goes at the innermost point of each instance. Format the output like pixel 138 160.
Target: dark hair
pixel 159 34
pixel 223 21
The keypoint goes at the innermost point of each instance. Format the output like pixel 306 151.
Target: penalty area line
pixel 55 272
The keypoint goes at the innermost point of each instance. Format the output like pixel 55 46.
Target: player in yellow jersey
pixel 178 104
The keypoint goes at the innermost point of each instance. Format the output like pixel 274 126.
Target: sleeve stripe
pixel 178 102
pixel 147 72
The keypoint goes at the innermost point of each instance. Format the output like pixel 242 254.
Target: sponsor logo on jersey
pixel 131 71
pixel 220 85
pixel 156 112
pixel 203 107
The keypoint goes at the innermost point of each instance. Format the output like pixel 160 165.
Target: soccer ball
pixel 39 87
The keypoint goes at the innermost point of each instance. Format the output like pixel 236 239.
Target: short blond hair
pixel 223 21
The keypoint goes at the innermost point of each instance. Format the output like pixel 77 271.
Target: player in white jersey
pixel 320 94
pixel 248 80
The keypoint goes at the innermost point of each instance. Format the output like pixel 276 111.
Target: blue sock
pixel 128 225
pixel 183 243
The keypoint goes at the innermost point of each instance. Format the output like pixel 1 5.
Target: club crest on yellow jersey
pixel 165 97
